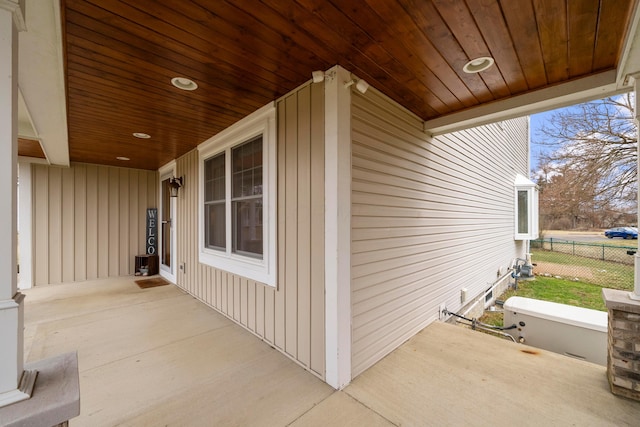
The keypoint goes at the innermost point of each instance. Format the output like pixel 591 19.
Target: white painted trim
pixel 630 59
pixel 16 7
pixel 338 228
pixel 522 183
pixel 11 301
pixel 24 117
pixel 44 94
pixel 562 95
pixel 12 354
pixel 12 396
pixel 635 294
pixel 25 226
pixel 261 122
pixel 165 172
pixel 36 160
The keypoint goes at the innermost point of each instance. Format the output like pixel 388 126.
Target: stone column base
pixel 56 396
pixel 623 359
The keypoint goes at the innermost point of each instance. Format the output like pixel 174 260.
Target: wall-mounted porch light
pixel 320 76
pixel 361 85
pixel 174 185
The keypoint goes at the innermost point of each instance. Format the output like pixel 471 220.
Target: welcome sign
pixel 152 231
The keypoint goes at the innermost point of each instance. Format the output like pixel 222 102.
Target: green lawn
pixel 551 289
pixel 562 291
pixel 604 273
pixel 583 274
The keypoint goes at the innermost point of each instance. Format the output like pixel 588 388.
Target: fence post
pixel 574 247
pixel 603 252
pixel 551 240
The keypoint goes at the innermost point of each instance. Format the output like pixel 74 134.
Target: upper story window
pixel 238 198
pixel 526 194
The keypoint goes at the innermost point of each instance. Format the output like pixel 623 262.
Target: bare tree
pixel 589 177
pixel 598 142
pixel 567 203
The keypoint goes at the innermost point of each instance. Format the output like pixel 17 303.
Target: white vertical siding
pixel 429 217
pixel 87 225
pixel 291 317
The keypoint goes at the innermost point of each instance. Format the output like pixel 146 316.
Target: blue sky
pixel 537 120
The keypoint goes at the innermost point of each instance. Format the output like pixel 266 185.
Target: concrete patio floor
pixel 157 356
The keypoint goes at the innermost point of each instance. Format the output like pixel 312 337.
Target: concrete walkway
pixel 157 356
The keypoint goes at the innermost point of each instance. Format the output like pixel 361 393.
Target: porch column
pixel 635 295
pixel 14 386
pixel 623 344
pixel 337 227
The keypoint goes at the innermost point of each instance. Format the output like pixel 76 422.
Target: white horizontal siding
pixel 429 217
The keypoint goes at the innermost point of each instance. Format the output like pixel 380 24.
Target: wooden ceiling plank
pixel 420 81
pixel 464 28
pixel 354 37
pixel 133 145
pixel 109 119
pixel 106 150
pixel 105 118
pixel 147 87
pixel 522 27
pixel 189 99
pixel 237 30
pixel 103 105
pixel 168 54
pixel 245 53
pixel 84 87
pixel 434 28
pixel 94 56
pixel 611 29
pixel 30 148
pixel 365 67
pixel 424 49
pixel 144 25
pixel 288 32
pixel 425 83
pixel 551 16
pixel 492 26
pixel 583 20
pixel 81 73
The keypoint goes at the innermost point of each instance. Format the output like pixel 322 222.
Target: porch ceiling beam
pixel 41 78
pixel 574 92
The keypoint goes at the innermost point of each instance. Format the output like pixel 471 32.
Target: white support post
pixel 338 227
pixel 635 295
pixel 24 226
pixel 14 385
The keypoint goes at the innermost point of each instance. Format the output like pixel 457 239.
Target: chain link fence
pixel 600 264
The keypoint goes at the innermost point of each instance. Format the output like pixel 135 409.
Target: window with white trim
pixel 526 204
pixel 238 198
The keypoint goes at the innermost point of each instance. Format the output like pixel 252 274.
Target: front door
pixel 167 231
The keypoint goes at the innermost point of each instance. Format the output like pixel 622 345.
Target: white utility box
pixel 573 331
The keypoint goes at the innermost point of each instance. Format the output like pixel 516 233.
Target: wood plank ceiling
pixel 121 56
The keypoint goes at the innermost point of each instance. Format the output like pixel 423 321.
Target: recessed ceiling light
pixel 141 135
pixel 123 158
pixel 184 83
pixel 478 64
